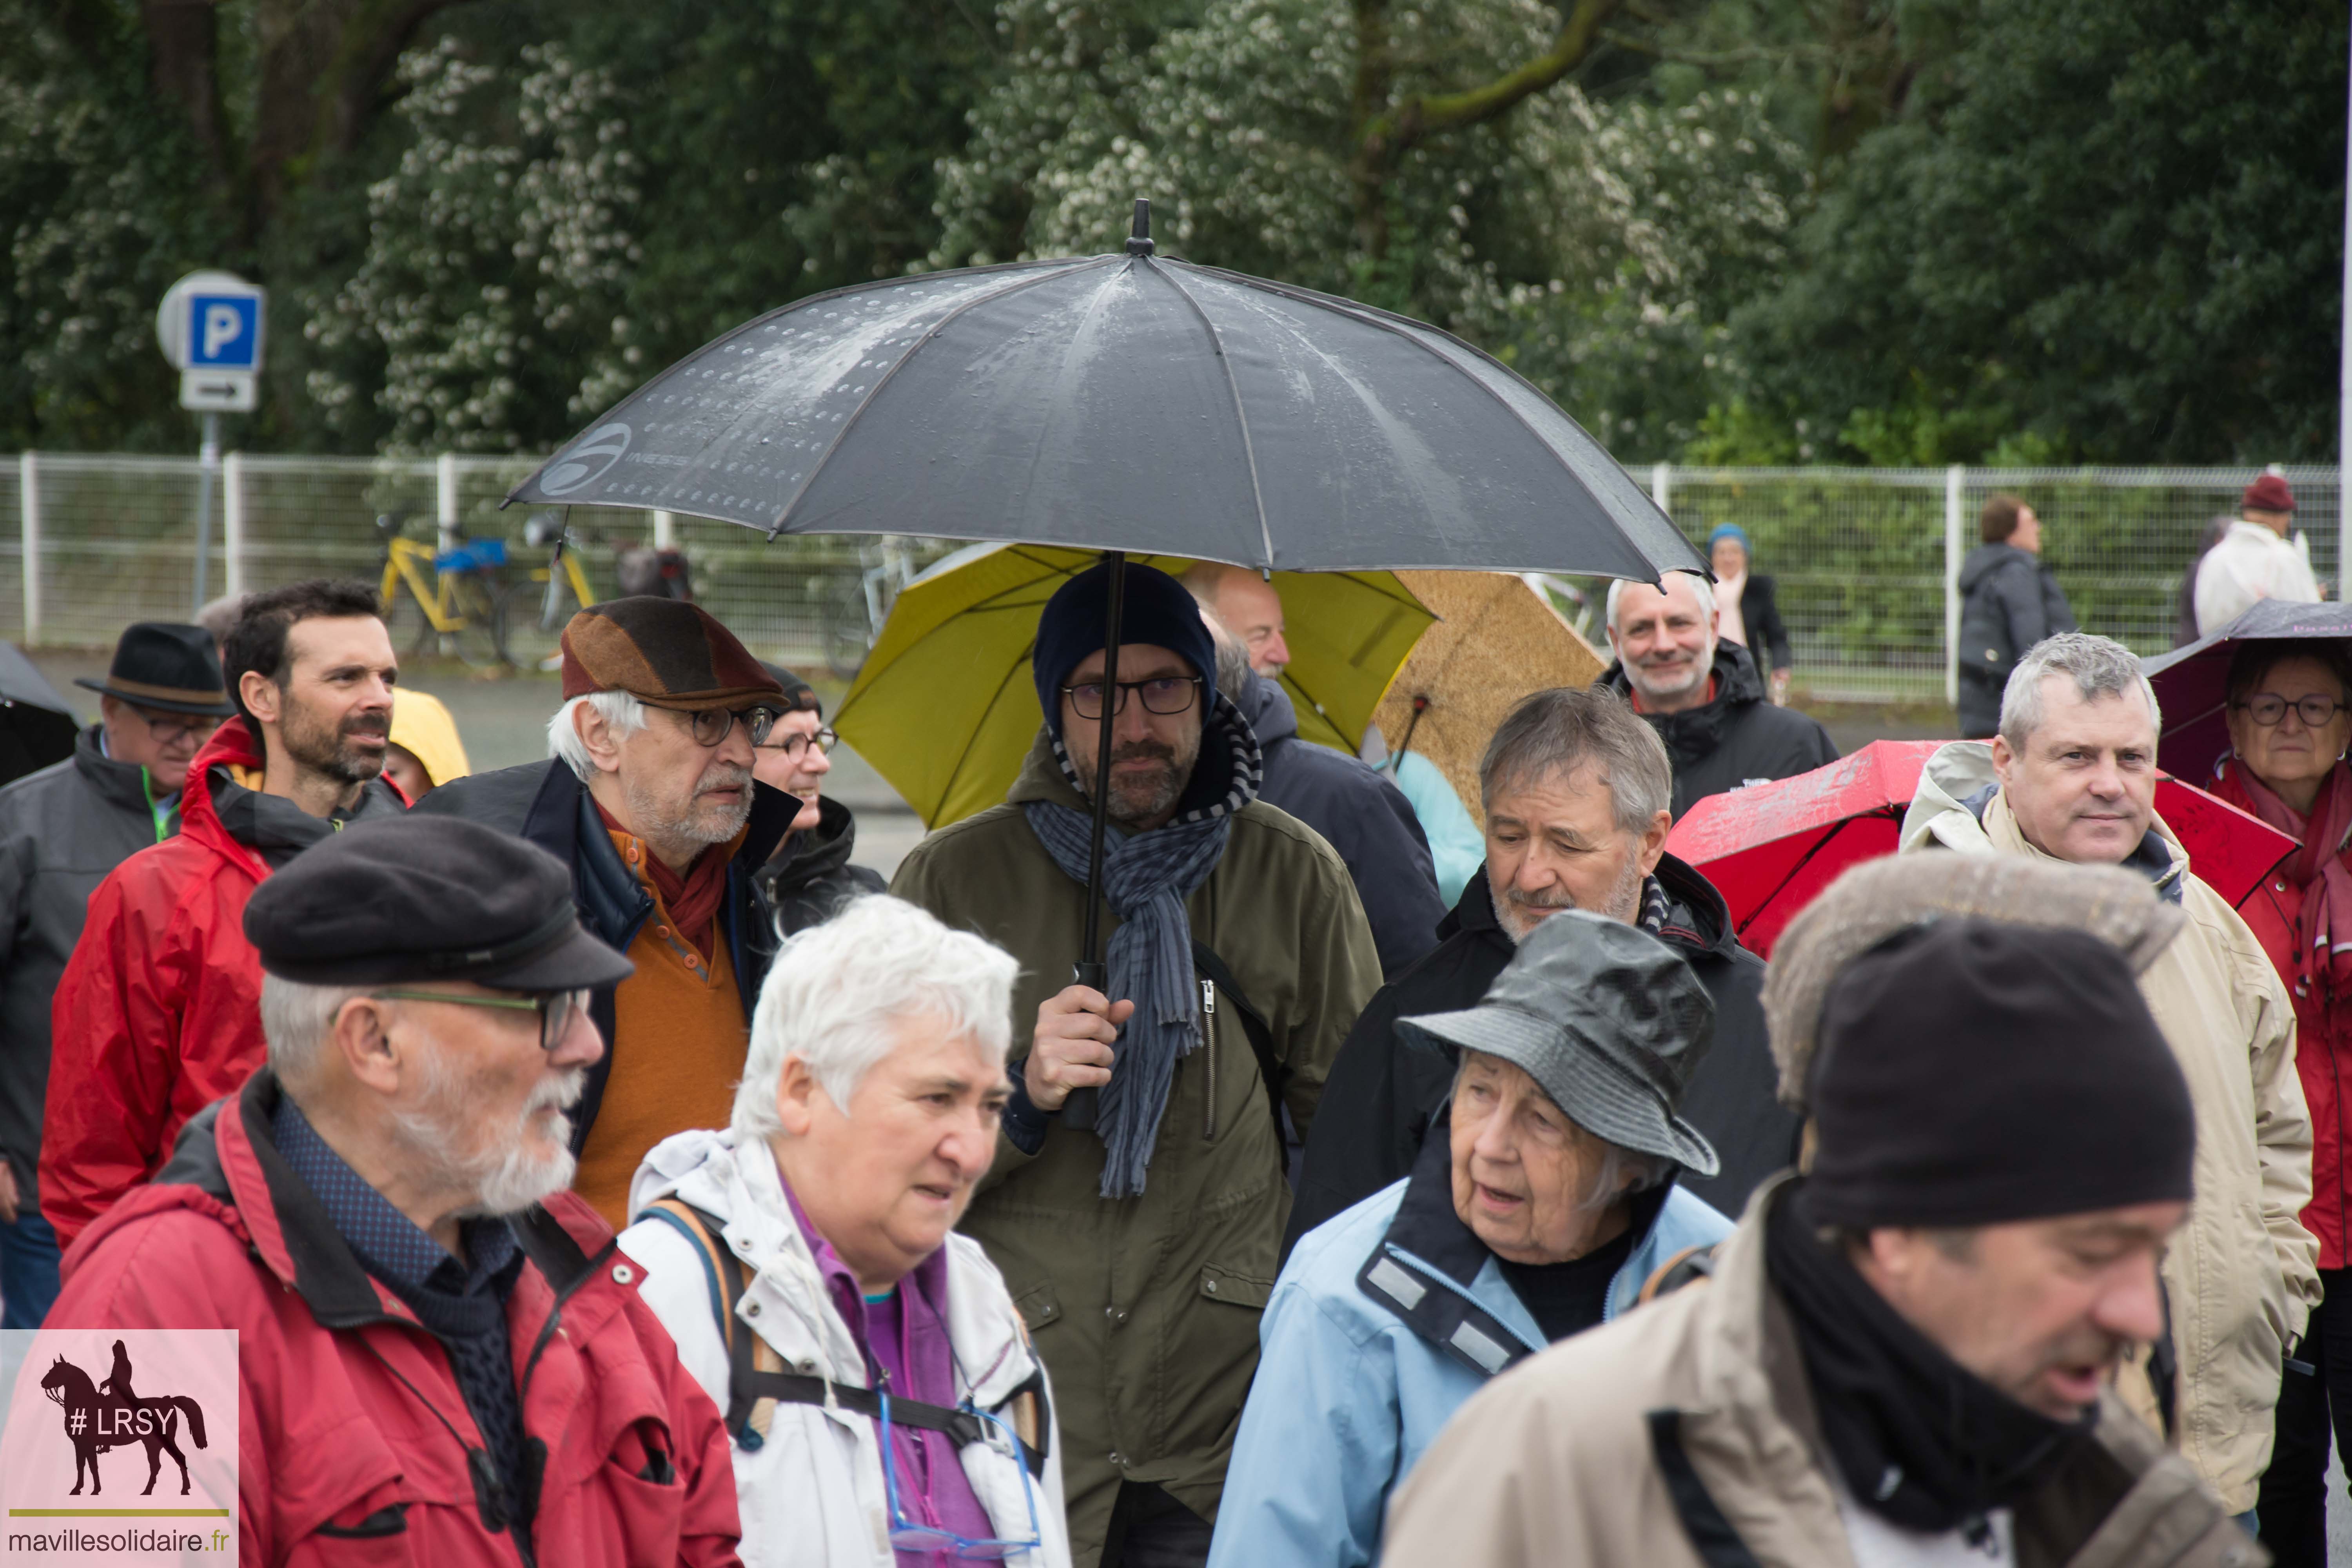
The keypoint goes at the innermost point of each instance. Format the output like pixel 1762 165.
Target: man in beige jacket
pixel 1902 1355
pixel 2071 777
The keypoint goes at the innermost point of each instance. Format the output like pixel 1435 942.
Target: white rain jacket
pixel 812 1494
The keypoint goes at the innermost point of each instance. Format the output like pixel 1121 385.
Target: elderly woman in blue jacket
pixel 1543 1201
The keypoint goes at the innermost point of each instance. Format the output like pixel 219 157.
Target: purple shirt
pixel 905 1339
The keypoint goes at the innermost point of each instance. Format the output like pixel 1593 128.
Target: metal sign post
pixel 210 325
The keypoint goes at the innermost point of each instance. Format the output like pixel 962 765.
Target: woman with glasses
pixel 2288 729
pixel 809 875
pixel 884 1401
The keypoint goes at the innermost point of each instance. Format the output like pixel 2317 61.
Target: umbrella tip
pixel 1139 240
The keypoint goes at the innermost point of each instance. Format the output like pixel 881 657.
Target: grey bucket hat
pixel 1607 1019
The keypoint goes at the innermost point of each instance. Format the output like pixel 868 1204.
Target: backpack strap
pixel 1691 1266
pixel 1270 1069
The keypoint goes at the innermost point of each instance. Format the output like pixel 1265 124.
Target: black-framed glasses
pixel 171 729
pixel 554 1009
pixel 794 745
pixel 712 725
pixel 2268 708
pixel 1162 694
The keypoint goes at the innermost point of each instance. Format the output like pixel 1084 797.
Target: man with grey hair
pixel 649 798
pixel 867 1118
pixel 1574 787
pixel 1702 694
pixel 2071 777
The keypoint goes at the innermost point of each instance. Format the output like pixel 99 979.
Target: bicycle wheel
pixel 526 638
pixel 476 638
pixel 849 631
pixel 405 621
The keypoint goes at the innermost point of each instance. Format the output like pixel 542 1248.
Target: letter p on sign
pixel 225 333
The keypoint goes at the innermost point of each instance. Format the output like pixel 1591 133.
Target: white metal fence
pixel 1864 558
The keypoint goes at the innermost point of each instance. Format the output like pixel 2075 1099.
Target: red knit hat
pixel 662 650
pixel 2268 493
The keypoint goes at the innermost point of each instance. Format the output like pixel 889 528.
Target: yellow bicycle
pixel 444 602
pixel 532 614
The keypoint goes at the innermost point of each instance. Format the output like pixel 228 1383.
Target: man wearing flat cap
pixel 1544 1199
pixel 1140 1239
pixel 61 830
pixel 2255 559
pixel 435 1340
pixel 650 800
pixel 1906 1354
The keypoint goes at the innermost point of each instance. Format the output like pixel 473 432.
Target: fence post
pixel 664 530
pixel 233 524
pixel 29 517
pixel 446 501
pixel 1662 487
pixel 1954 483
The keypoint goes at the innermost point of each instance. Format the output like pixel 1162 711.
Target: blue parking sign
pixel 224 331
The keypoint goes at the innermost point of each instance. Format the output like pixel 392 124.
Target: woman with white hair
pixel 884 1400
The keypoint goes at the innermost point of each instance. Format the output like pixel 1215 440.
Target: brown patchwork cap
pixel 664 651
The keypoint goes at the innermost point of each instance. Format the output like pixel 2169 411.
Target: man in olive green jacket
pixel 1141 1249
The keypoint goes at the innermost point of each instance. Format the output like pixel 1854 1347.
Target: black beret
pixel 1974 1072
pixel 410 898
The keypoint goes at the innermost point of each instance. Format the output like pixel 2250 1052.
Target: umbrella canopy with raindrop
pixel 2193 684
pixel 945 708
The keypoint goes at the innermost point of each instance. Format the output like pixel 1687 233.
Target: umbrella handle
pixel 1078 1109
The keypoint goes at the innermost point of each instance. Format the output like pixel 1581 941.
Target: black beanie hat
pixel 798 693
pixel 1974 1072
pixel 1157 610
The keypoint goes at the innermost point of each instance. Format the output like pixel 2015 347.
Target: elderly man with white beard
pixel 380 1216
pixel 649 798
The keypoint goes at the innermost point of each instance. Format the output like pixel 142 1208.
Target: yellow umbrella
pixel 945 708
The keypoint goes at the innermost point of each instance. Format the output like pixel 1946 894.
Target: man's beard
pixel 1140 800
pixel 1701 666
pixel 507 1175
pixel 691 822
pixel 325 747
pixel 1518 913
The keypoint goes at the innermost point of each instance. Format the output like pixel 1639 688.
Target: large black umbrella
pixel 37 726
pixel 1122 403
pixel 2193 684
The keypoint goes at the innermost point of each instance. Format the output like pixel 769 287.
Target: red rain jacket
pixel 158 1014
pixel 338 1460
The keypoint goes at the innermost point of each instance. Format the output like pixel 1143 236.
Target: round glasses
pixel 794 744
pixel 554 1009
pixel 1162 694
pixel 2269 707
pixel 712 725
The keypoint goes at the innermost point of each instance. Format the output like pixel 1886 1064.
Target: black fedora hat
pixel 166 665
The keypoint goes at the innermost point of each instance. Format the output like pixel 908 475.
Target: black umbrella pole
pixel 1078 1109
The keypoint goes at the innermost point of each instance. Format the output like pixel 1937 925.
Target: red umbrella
pixel 1771 848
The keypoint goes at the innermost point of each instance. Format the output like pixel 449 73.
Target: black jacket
pixel 1382 1093
pixel 1359 813
pixel 546 804
pixel 62 829
pixel 1760 614
pixel 2009 602
pixel 1738 738
pixel 809 878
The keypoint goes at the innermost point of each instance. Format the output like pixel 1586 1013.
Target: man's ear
pixel 360 1036
pixel 263 699
pixel 796 1094
pixel 596 734
pixel 2003 760
pixel 1651 846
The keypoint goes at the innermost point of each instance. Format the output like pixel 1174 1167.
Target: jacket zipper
pixel 1209 1046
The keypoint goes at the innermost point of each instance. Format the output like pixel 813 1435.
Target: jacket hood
pixel 1698 920
pixel 1268 709
pixel 118 783
pixel 423 727
pixel 1958 807
pixel 1987 559
pixel 200 820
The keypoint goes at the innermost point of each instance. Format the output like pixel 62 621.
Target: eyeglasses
pixel 1162 694
pixel 554 1009
pixel 712 725
pixel 2269 707
pixel 912 1537
pixel 794 744
pixel 171 729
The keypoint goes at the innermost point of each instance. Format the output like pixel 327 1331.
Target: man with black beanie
pixel 1141 1245
pixel 1905 1355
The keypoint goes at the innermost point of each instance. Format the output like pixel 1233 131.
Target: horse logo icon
pixel 110 1415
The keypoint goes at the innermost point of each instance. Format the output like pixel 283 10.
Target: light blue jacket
pixel 1456 846
pixel 1349 1394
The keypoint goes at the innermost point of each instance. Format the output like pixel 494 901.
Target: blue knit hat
pixel 1723 531
pixel 1158 611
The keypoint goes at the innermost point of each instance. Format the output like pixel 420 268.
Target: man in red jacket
pixel 435 1340
pixel 154 1017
